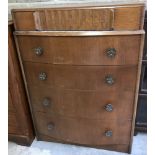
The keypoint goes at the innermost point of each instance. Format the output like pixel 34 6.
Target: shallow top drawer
pixel 80 18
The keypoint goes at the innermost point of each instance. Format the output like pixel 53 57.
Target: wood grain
pixel 128 18
pixel 81 50
pixel 82 104
pixel 80 18
pixel 78 33
pixel 114 147
pixel 84 131
pixel 76 66
pixel 81 77
pixel 28 20
pixel 17 98
pixel 20 139
pixel 137 89
pixel 118 147
pixel 13 126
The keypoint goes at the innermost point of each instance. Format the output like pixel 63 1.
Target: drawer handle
pixel 109 80
pixel 42 76
pixel 111 52
pixel 46 102
pixel 50 126
pixel 109 107
pixel 108 133
pixel 38 51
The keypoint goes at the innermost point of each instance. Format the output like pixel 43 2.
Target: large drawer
pixel 80 18
pixel 83 131
pixel 109 78
pixel 80 50
pixel 82 104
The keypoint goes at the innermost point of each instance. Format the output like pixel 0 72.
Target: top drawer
pixel 53 47
pixel 80 18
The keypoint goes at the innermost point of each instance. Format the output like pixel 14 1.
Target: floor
pixel 49 148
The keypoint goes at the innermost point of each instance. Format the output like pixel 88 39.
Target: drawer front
pixel 84 131
pixel 82 104
pixel 109 78
pixel 103 50
pixel 85 18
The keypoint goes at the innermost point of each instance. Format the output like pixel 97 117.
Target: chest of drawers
pixel 81 67
pixel 20 129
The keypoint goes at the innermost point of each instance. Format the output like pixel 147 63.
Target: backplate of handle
pixel 111 52
pixel 108 107
pixel 109 79
pixel 46 102
pixel 108 133
pixel 42 76
pixel 50 126
pixel 38 51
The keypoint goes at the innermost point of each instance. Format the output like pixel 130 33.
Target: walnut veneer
pixel 81 67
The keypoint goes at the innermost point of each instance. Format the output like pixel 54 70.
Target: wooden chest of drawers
pixel 81 67
pixel 20 129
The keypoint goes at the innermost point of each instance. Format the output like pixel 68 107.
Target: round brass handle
pixel 46 102
pixel 109 80
pixel 109 107
pixel 111 52
pixel 42 76
pixel 108 133
pixel 38 51
pixel 50 126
